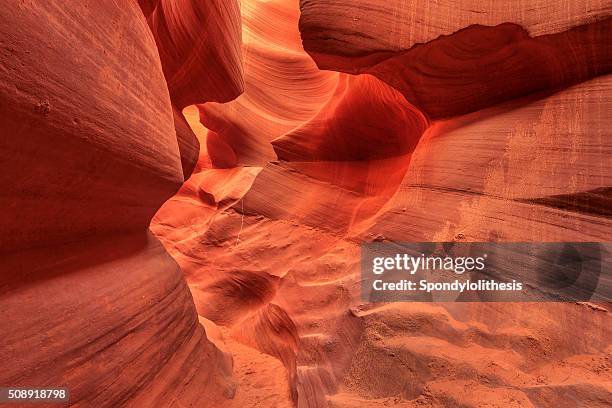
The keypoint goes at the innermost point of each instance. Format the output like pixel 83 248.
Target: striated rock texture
pixel 352 122
pixel 75 162
pixel 445 121
pixel 450 59
pixel 89 299
pixel 283 87
pixel 365 119
pixel 111 319
pixel 199 47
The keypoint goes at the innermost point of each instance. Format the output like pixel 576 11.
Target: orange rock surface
pixel 185 186
pixel 89 299
pixel 270 247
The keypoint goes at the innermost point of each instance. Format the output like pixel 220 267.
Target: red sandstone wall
pixel 266 140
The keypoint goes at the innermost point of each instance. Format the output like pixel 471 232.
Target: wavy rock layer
pixel 307 164
pixel 72 127
pixel 370 25
pixel 473 122
pixel 117 307
pixel 88 153
pixel 449 62
pixel 509 160
pixel 199 47
pixel 365 119
pixel 283 87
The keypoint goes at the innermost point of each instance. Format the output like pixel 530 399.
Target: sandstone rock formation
pixel 447 122
pixel 352 122
pixel 90 300
pixel 450 59
pixel 199 48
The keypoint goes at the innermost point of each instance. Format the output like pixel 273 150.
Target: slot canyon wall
pixel 261 142
pixel 400 121
pixel 92 143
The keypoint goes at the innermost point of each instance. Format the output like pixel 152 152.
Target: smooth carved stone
pixel 449 62
pixel 283 87
pixel 462 73
pixel 365 119
pixel 111 319
pixel 89 299
pixel 535 169
pixel 188 143
pixel 87 140
pixel 272 251
pixel 363 27
pixel 199 45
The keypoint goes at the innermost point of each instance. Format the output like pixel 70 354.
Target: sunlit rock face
pixel 407 121
pixel 90 300
pixel 450 59
pixel 199 45
pixel 72 126
pixel 283 86
pixel 266 140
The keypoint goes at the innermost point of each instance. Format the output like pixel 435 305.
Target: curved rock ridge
pixel 365 119
pixel 308 164
pixel 286 98
pixel 447 63
pixel 322 119
pixel 514 159
pixel 117 307
pixel 331 27
pixel 188 143
pixel 72 127
pixel 199 47
pixel 283 87
pixel 90 300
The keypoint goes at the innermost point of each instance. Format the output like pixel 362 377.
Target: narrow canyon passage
pixel 187 186
pixel 310 163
